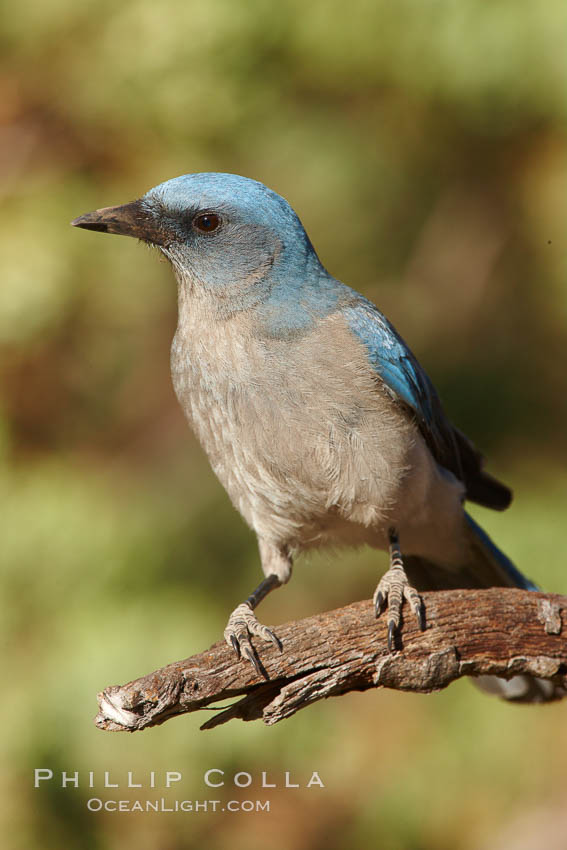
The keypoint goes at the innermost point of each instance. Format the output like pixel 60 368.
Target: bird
pixel 315 415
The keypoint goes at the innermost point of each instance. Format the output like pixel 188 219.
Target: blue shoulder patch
pixel 394 363
pixel 400 373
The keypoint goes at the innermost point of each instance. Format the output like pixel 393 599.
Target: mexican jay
pixel 315 415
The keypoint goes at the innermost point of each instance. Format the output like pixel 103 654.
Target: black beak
pixel 132 219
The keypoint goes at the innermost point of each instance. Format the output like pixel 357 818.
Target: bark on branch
pixel 469 633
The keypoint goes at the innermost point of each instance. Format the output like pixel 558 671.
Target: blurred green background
pixel 423 145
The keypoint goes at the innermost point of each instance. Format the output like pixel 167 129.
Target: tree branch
pixel 469 633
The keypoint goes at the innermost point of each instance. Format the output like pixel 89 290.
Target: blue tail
pixel 491 567
pixel 499 559
pixel 484 565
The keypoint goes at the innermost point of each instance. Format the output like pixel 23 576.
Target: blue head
pixel 232 241
pixel 231 235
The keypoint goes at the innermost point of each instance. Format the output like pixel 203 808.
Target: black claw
pixel 235 646
pixel 378 604
pixel 421 617
pixel 275 640
pixel 391 634
pixel 251 656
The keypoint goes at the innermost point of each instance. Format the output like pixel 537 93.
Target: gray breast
pixel 299 434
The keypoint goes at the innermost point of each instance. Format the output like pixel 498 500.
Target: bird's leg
pixel 393 588
pixel 242 623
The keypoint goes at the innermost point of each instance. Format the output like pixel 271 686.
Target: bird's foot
pixel 242 625
pixel 392 589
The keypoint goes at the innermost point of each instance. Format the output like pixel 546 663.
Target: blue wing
pixel 394 363
pixel 408 384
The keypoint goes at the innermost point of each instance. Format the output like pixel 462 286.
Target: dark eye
pixel 206 222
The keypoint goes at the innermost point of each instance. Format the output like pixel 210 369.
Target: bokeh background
pixel 423 145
